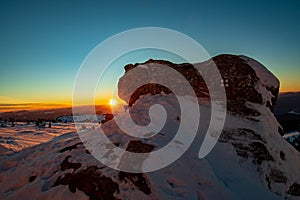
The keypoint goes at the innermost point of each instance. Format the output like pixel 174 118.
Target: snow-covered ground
pixel 250 161
pixel 24 135
pixel 81 118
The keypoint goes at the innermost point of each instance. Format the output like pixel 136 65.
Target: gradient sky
pixel 43 43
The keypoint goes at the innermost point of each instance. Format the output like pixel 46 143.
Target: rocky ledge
pixel 245 81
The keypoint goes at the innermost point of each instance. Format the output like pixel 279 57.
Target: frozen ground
pixel 250 161
pixel 23 135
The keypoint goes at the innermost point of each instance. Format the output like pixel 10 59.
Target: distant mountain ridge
pixel 52 114
pixel 287 102
pixel 287 111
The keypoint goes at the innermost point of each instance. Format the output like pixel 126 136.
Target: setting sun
pixel 112 102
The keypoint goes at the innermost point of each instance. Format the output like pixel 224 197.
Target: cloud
pixel 11 100
pixel 9 104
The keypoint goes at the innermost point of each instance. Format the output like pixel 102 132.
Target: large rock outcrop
pixel 245 80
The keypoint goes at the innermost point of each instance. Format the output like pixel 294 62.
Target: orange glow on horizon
pixel 289 87
pixel 9 104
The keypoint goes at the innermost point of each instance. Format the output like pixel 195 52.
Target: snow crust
pixel 223 174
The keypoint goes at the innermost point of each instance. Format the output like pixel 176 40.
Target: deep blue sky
pixel 43 43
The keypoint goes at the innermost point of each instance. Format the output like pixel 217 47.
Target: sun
pixel 112 102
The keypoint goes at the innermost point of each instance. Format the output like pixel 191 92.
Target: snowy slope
pixel 64 169
pixel 24 135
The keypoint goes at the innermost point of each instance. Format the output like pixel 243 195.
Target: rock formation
pixel 250 161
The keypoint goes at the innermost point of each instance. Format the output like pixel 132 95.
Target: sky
pixel 43 43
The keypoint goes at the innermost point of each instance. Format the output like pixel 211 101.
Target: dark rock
pixel 139 147
pixel 32 178
pixel 107 117
pixel 134 163
pixel 239 78
pixel 69 148
pixel 277 176
pixel 242 150
pixel 268 182
pixel 294 189
pixel 282 155
pixel 68 165
pixel 239 134
pixel 137 179
pixel 255 150
pixel 260 152
pixel 91 183
pixel 280 131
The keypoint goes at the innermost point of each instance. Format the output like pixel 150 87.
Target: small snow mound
pixel 143 66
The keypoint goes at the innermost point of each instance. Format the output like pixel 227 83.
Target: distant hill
pixel 51 114
pixel 287 102
pixel 287 111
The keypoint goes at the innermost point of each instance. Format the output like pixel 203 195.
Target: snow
pixel 267 128
pixel 292 134
pixel 24 135
pixel 81 118
pixel 143 66
pixel 223 174
pixel 266 79
pixel 293 112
